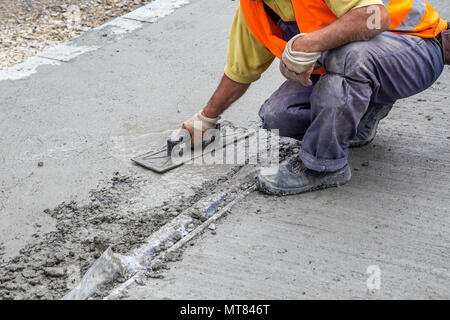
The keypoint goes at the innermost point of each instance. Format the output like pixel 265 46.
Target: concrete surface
pixel 85 118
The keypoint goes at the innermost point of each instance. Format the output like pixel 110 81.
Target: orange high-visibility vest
pixel 415 17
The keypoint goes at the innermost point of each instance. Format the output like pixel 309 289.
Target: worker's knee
pixel 290 93
pixel 271 114
pixel 289 120
pixel 287 109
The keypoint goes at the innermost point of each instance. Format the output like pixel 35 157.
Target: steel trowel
pixel 178 149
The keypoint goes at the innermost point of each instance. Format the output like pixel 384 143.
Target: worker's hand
pixel 296 65
pixel 197 126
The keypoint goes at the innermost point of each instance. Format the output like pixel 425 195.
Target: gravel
pixel 28 27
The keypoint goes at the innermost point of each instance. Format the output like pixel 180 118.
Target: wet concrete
pixel 66 130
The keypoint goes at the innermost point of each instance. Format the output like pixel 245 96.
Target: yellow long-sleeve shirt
pixel 248 58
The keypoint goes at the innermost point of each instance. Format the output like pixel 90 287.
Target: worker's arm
pixel 226 93
pixel 247 59
pixel 353 26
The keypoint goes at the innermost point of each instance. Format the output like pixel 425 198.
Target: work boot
pixel 293 177
pixel 367 128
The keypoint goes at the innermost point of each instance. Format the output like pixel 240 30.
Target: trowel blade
pixel 161 162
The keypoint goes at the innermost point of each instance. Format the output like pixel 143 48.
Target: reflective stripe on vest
pixel 414 17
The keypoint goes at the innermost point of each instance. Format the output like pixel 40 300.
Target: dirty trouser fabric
pixel 360 75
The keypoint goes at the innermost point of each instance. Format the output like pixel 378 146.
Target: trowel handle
pixel 173 141
pixel 186 137
pixel 209 138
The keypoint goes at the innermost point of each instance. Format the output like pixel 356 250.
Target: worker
pixel 347 62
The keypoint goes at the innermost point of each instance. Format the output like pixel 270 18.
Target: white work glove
pixel 298 66
pixel 198 124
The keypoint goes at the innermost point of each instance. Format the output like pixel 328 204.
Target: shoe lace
pixel 297 165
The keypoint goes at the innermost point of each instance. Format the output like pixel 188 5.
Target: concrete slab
pixel 85 118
